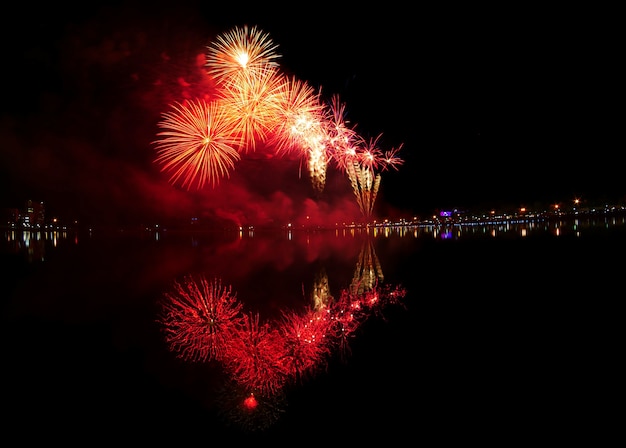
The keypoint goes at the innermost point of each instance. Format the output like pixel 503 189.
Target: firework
pixel 306 338
pixel 197 145
pixel 341 138
pixel 391 159
pixel 199 319
pixel 362 161
pixel 257 105
pixel 254 357
pixel 299 116
pixel 243 50
pixel 365 184
pixel 249 102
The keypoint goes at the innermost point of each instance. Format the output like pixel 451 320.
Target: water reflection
pixel 34 244
pixel 31 244
pixel 130 322
pixel 512 228
pixel 204 321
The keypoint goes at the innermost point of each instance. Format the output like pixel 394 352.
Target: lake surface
pixel 496 333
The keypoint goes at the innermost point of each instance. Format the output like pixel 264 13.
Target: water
pixel 507 332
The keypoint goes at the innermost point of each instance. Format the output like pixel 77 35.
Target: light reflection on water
pixel 75 283
pixel 33 244
pixel 299 300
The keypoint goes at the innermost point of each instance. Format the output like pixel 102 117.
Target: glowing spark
pixel 250 402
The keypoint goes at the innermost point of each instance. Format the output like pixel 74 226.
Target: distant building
pixel 34 215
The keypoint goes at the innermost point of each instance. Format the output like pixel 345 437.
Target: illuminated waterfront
pixel 34 243
pixel 497 318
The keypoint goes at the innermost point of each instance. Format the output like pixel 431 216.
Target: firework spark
pixel 198 146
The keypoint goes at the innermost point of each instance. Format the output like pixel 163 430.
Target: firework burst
pixel 299 113
pixel 306 341
pixel 242 50
pixel 254 357
pixel 197 145
pixel 249 102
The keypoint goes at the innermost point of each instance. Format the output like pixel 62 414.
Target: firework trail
pixel 362 161
pixel 197 144
pixel 365 185
pixel 199 319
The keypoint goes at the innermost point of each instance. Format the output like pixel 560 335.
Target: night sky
pixel 492 107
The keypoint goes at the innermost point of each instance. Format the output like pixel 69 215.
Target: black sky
pixel 491 106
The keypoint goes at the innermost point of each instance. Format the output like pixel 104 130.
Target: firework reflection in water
pixel 203 321
pixel 200 318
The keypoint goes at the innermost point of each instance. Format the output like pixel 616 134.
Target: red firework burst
pixel 306 339
pixel 254 357
pixel 199 319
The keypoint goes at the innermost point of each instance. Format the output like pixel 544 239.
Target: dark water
pixel 506 333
